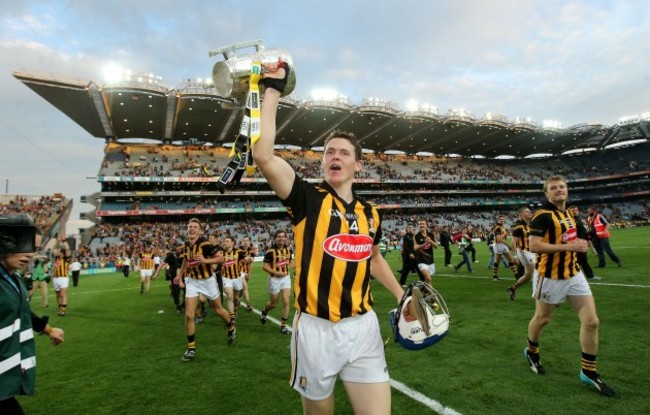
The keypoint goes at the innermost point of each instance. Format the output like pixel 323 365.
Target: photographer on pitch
pixel 19 239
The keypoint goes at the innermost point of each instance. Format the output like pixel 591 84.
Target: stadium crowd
pixel 139 160
pixel 44 210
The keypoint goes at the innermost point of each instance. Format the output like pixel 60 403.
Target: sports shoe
pixel 284 330
pixel 263 318
pixel 512 292
pixel 495 279
pixel 599 384
pixel 232 335
pixel 535 364
pixel 249 307
pixel 596 278
pixel 189 355
pixel 198 320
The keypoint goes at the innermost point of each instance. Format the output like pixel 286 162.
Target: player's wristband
pixel 277 84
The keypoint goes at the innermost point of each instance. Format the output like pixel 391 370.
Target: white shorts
pixel 237 284
pixel 500 248
pixel 351 349
pixel 60 282
pixel 430 267
pixel 207 287
pixel 551 291
pixel 146 273
pixel 277 284
pixel 526 257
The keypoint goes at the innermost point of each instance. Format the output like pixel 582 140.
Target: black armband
pixel 277 84
pixel 39 323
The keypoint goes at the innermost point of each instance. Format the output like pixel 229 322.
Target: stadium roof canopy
pixel 194 112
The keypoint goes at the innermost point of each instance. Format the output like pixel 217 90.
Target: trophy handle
pixel 229 51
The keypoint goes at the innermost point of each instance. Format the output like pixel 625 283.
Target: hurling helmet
pixel 431 317
pixel 17 233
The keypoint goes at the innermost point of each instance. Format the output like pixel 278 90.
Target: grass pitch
pixel 122 351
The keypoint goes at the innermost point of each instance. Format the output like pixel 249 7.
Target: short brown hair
pixel 347 136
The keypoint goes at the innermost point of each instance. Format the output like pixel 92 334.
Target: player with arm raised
pixel 336 237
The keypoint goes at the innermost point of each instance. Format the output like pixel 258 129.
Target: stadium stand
pixel 446 167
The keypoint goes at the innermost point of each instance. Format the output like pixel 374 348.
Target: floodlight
pixel 113 73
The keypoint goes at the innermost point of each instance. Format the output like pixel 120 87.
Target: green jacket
pixel 17 348
pixel 39 273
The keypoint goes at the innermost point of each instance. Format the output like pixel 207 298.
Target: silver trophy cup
pixel 231 75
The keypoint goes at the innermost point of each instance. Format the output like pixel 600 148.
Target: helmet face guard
pixel 431 317
pixel 17 234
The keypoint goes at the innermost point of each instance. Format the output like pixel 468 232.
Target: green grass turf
pixel 122 351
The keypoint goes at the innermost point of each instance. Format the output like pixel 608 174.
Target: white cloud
pixel 574 60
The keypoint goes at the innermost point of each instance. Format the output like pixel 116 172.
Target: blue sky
pixel 570 61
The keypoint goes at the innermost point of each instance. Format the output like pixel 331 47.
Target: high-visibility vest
pixel 17 348
pixel 600 227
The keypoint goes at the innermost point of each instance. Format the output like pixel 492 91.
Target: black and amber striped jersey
pixel 499 231
pixel 146 260
pixel 195 268
pixel 557 227
pixel 521 232
pixel 246 266
pixel 333 246
pixel 279 259
pixel 232 263
pixel 216 268
pixel 61 266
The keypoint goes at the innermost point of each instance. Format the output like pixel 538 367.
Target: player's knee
pixel 591 322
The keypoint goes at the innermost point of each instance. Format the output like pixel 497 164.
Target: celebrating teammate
pixel 246 264
pixel 520 240
pixel 198 256
pixel 277 262
pixel 553 236
pixel 233 276
pixel 501 248
pixel 60 281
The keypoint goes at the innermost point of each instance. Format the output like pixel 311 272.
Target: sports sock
pixel 589 365
pixel 533 347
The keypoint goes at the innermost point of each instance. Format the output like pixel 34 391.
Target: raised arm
pixel 278 173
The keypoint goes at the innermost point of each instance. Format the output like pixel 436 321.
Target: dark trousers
pixel 447 255
pixel 409 265
pixel 472 251
pixel 11 406
pixel 602 248
pixel 466 261
pixel 125 270
pixel 176 294
pixel 584 265
pixel 75 278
